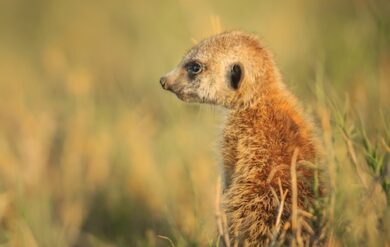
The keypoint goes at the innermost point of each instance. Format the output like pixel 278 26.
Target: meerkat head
pixel 228 69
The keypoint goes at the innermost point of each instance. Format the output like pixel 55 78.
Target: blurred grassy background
pixel 94 153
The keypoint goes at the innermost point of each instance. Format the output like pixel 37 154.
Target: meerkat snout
pixel 185 81
pixel 163 81
pixel 171 82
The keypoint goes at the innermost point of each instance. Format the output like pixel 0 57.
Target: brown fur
pixel 264 126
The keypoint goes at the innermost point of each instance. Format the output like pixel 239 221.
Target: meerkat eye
pixel 235 76
pixel 193 68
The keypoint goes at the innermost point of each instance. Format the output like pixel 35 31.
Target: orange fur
pixel 264 126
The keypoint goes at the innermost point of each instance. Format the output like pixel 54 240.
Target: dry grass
pixel 94 153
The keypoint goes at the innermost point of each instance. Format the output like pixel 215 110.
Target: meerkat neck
pixel 271 91
pixel 279 125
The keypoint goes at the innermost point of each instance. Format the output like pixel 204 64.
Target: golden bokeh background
pixel 94 153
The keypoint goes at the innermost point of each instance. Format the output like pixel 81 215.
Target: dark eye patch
pixel 193 68
pixel 235 76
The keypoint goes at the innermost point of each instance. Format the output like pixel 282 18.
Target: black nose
pixel 163 81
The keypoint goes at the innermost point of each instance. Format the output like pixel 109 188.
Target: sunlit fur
pixel 264 126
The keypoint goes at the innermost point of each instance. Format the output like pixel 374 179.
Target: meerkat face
pixel 221 70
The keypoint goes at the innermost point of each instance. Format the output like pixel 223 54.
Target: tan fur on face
pixel 218 54
pixel 264 126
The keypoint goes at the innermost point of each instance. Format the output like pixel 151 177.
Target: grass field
pixel 94 153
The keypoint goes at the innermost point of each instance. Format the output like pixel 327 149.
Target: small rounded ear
pixel 235 76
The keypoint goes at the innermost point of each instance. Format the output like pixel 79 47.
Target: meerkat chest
pixel 242 125
pixel 239 136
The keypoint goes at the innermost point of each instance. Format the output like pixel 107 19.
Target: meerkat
pixel 264 126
